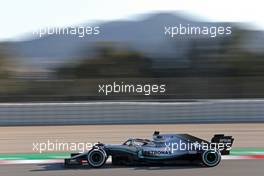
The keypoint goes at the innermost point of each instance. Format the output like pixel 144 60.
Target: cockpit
pixel 137 142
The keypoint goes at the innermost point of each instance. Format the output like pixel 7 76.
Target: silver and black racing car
pixel 163 149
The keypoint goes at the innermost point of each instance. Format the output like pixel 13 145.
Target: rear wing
pixel 225 142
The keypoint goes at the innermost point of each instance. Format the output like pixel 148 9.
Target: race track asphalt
pixel 20 139
pixel 225 168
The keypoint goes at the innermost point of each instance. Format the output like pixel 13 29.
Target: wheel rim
pixel 211 158
pixel 96 158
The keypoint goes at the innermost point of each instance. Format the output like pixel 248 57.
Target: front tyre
pixel 211 158
pixel 96 158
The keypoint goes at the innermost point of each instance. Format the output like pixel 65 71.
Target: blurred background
pixel 132 48
pixel 49 84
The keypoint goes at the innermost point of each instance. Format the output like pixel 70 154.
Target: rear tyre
pixel 211 158
pixel 96 158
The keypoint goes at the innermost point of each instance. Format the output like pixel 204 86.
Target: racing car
pixel 163 149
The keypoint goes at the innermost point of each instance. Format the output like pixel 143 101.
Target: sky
pixel 18 17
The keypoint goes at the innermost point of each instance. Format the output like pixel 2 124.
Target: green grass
pixel 247 151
